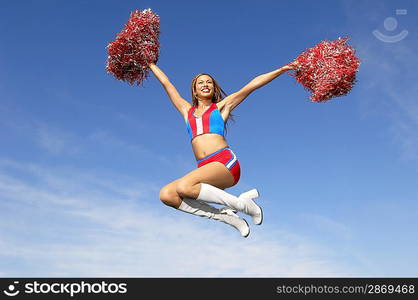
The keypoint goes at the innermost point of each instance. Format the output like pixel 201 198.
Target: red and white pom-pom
pixel 135 47
pixel 327 70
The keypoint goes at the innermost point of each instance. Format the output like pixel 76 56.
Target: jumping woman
pixel 217 166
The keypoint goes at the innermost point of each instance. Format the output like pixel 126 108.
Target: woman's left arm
pixel 236 98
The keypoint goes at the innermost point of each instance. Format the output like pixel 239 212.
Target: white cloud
pixel 100 143
pixel 80 229
pixel 56 141
pixel 51 139
pixel 109 140
pixel 326 225
pixel 387 76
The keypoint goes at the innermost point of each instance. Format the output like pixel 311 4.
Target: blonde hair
pixel 218 93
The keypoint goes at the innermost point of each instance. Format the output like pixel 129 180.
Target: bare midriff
pixel 206 144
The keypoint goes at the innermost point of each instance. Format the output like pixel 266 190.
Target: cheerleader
pixel 218 167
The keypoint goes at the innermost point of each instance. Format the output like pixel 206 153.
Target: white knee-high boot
pixel 244 203
pixel 225 215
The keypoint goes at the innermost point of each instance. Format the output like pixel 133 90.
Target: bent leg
pixel 214 173
pixel 207 184
pixel 169 195
pixel 188 186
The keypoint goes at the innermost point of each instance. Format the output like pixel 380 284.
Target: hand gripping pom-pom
pixel 135 47
pixel 327 70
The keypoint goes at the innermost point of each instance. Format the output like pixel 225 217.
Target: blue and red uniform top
pixel 211 121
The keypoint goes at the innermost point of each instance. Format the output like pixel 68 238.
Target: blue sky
pixel 83 156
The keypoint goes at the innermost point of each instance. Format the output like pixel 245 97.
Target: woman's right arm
pixel 181 104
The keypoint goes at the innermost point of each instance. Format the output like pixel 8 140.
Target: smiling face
pixel 204 87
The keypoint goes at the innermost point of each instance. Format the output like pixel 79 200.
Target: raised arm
pixel 236 98
pixel 181 104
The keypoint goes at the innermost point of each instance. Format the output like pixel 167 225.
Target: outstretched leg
pixel 225 215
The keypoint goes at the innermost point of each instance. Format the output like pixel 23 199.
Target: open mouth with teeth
pixel 205 90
